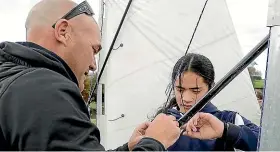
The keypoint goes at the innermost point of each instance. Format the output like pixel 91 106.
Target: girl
pixel 211 129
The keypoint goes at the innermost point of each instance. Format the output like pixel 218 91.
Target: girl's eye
pixel 196 91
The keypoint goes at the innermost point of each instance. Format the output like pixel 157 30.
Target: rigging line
pixel 111 48
pixel 196 26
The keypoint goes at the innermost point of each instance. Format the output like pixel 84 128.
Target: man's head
pixel 76 39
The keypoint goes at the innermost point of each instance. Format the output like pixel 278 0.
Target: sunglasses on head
pixel 83 7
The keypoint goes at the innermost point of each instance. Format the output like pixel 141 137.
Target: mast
pixel 270 137
pixel 100 117
pixel 99 91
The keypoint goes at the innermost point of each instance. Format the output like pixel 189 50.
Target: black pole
pixel 251 56
pixel 111 48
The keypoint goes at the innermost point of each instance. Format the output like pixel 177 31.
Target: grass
pixel 93 105
pixel 93 121
pixel 258 84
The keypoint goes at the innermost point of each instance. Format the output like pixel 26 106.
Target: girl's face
pixel 190 90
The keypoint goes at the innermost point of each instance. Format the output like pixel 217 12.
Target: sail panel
pixel 155 35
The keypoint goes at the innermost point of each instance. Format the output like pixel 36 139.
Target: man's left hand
pixel 137 135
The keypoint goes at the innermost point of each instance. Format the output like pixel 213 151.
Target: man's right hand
pixel 165 129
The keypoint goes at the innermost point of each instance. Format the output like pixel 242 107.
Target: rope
pixel 196 26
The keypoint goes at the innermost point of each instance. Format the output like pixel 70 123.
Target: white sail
pixel 155 34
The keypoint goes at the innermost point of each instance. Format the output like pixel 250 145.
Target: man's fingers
pixel 141 129
pixel 177 123
pixel 172 117
pixel 144 125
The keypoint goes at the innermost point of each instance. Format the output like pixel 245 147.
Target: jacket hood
pixel 32 55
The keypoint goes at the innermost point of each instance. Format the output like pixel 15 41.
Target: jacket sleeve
pixel 121 148
pixel 149 144
pixel 42 110
pixel 145 144
pixel 243 137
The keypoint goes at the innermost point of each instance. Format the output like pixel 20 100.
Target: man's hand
pixel 164 129
pixel 137 135
pixel 204 126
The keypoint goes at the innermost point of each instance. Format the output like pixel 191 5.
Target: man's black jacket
pixel 41 107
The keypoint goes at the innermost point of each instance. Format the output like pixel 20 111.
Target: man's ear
pixel 62 31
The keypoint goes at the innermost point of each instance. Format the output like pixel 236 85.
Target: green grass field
pixel 93 121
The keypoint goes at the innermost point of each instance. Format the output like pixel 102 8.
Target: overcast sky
pixel 249 17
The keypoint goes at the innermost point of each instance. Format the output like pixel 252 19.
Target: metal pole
pixel 99 91
pixel 270 122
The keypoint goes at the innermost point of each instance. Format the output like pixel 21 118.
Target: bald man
pixel 41 107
